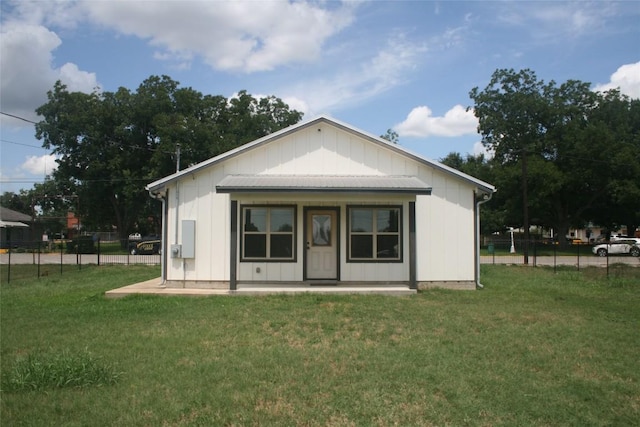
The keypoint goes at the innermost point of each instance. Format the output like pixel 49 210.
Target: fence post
pixel 61 253
pixel 9 243
pixel 38 246
pixel 555 255
pixel 579 257
pixel 98 251
pixel 493 253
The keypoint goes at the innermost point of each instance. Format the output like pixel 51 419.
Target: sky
pixel 376 65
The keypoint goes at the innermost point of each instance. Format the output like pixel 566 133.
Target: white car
pixel 618 247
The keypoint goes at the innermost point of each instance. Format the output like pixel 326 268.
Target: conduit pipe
pixel 162 196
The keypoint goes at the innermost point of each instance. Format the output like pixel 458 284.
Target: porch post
pixel 233 256
pixel 412 246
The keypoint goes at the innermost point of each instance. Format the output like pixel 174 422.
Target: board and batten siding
pixel 444 220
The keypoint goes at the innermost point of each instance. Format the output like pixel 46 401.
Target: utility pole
pixel 178 157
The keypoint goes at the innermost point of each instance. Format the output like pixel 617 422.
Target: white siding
pixel 444 220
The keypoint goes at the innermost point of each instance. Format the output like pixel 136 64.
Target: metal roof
pixel 11 224
pixel 7 214
pixel 322 183
pixel 161 183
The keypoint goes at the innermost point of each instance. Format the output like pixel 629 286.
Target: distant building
pixel 14 227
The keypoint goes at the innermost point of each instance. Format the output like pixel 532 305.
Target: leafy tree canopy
pixel 574 152
pixel 110 144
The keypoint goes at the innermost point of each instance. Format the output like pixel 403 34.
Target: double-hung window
pixel 268 233
pixel 375 234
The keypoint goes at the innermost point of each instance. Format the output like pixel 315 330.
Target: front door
pixel 321 244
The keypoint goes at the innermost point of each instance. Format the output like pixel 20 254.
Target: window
pixel 374 234
pixel 268 233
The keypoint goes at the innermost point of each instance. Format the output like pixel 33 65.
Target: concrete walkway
pixel 155 287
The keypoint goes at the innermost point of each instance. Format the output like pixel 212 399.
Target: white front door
pixel 322 244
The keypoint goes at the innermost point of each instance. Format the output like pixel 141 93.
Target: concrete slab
pixel 155 287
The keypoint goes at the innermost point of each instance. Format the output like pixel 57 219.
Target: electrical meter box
pixel 188 238
pixel 176 251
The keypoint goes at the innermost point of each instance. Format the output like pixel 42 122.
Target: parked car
pixel 148 245
pixel 618 247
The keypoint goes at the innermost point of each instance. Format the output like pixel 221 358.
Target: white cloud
pixel 238 36
pixel 479 148
pixel 296 104
pixel 387 68
pixel 557 19
pixel 63 14
pixel 421 123
pixel 40 165
pixel 627 78
pixel 27 71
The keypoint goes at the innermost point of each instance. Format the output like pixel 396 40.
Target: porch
pixel 155 287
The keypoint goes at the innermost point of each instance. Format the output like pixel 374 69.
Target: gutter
pixel 485 198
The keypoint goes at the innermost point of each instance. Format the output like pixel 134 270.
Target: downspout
pixel 485 198
pixel 175 230
pixel 164 252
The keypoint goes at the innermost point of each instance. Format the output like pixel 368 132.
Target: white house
pixel 320 202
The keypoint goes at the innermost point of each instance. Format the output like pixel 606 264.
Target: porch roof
pixel 322 183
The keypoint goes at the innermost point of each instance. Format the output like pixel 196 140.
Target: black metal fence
pixel 37 259
pixel 541 253
pixel 22 260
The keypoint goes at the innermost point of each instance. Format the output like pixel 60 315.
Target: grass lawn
pixel 532 348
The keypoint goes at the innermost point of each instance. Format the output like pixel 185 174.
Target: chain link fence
pixel 25 259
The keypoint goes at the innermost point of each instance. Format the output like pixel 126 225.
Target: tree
pixel 616 121
pixel 391 136
pixel 562 143
pixel 19 202
pixel 530 123
pixel 110 144
pixel 510 114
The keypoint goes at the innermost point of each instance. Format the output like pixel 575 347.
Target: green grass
pixel 113 248
pixel 42 371
pixel 532 348
pixel 540 250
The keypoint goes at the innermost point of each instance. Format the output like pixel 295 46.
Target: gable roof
pixel 11 218
pixel 7 214
pixel 161 183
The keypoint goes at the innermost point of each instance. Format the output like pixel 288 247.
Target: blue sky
pixel 406 65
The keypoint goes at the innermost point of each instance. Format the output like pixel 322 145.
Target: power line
pixel 18 117
pixel 23 144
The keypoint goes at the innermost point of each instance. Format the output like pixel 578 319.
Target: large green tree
pixel 110 144
pixel 616 122
pixel 559 153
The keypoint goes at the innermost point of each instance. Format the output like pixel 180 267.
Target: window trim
pixel 268 233
pixel 374 233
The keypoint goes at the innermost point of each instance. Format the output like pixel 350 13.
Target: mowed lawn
pixel 533 348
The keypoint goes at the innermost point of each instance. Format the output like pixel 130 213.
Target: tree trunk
pixel 563 230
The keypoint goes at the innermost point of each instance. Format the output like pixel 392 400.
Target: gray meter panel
pixel 188 238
